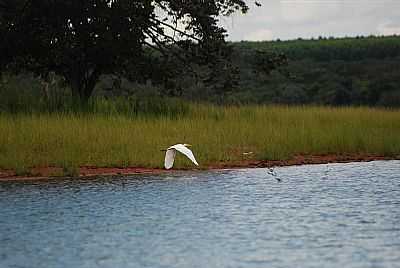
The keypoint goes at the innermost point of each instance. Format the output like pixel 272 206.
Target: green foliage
pixel 359 71
pixel 216 133
pixel 348 71
pixel 24 94
pixel 82 40
pixel 331 49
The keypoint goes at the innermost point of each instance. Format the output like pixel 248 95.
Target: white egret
pixel 171 152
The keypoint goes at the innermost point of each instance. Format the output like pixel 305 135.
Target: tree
pixel 82 40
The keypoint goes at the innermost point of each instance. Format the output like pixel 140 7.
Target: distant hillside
pixel 338 72
pixel 346 71
pixel 327 49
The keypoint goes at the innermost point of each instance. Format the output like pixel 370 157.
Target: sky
pixel 291 19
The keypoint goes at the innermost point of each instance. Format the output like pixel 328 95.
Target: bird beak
pixel 188 145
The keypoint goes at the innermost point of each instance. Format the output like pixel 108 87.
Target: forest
pixel 326 71
pixel 359 71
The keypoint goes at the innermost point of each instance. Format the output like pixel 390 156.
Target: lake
pixel 318 216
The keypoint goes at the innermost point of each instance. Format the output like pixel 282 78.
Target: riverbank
pixel 46 173
pixel 74 144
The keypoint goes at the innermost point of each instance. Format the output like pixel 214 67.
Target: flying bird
pixel 171 153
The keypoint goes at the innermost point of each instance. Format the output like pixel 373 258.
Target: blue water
pixel 336 215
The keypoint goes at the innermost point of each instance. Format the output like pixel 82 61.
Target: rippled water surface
pixel 337 215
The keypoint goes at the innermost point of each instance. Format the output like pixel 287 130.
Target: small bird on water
pixel 271 171
pixel 171 153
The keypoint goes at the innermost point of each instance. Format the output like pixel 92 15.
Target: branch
pixel 176 29
pixel 163 49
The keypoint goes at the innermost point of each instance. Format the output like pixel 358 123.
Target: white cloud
pixel 290 19
pixel 306 11
pixel 388 29
pixel 262 34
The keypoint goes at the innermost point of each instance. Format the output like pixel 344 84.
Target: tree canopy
pixel 82 40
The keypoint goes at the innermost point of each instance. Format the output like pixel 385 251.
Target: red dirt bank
pixel 91 171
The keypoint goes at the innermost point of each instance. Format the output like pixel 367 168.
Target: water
pixel 319 216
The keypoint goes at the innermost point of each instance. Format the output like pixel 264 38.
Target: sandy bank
pixel 44 173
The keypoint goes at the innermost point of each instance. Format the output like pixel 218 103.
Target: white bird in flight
pixel 171 152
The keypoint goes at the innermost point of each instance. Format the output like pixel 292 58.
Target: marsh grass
pixel 70 140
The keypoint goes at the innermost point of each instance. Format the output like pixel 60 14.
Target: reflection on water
pixel 318 216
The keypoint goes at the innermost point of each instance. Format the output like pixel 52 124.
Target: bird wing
pixel 169 158
pixel 186 151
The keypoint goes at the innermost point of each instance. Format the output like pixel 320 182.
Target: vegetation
pixel 130 118
pixel 70 140
pixel 346 71
pixel 331 49
pixel 82 40
pixel 337 72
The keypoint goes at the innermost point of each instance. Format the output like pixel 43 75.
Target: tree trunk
pixel 82 86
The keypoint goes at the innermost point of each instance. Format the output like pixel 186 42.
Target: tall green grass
pixel 26 94
pixel 217 134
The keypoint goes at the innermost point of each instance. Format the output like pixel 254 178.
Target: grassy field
pixel 216 133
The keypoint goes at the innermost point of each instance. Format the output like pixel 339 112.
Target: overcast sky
pixel 291 19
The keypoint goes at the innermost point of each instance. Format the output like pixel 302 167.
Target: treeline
pixel 347 71
pixel 326 71
pixel 328 49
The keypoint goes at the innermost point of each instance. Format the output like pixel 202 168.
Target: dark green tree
pixel 82 40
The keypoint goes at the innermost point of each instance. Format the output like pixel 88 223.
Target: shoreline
pixel 87 172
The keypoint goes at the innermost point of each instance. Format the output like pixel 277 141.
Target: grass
pixel 70 140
